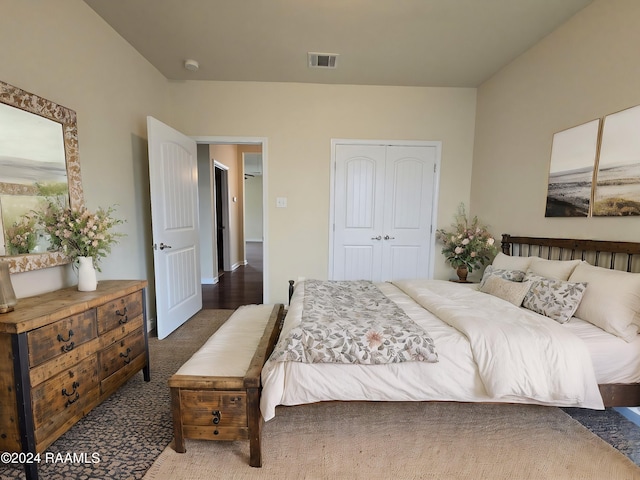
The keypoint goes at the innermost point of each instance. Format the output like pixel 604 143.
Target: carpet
pixel 443 441
pixel 131 428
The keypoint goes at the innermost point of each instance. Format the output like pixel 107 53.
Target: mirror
pixel 38 160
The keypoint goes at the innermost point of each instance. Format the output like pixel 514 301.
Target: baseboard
pixel 209 281
pixel 151 324
pixel 238 265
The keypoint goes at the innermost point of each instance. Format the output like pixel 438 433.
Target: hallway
pixel 242 286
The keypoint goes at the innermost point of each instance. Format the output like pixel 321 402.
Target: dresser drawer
pixel 117 334
pixel 61 392
pixel 119 312
pixel 60 337
pixel 121 353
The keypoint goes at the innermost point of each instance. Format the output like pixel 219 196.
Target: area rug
pixel 407 441
pixel 130 429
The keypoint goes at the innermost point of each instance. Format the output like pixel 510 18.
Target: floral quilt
pixel 353 322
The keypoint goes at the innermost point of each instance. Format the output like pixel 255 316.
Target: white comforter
pixel 471 367
pixel 519 354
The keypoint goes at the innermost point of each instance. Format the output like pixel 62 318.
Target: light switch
pixel 281 202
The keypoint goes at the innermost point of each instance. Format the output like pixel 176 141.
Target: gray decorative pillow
pixel 511 275
pixel 553 298
pixel 512 292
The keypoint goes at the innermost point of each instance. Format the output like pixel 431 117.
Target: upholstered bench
pixel 215 395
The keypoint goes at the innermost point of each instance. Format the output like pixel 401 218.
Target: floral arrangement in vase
pixel 80 232
pixel 468 244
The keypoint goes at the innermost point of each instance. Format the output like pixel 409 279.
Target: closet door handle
pixel 379 237
pixel 387 237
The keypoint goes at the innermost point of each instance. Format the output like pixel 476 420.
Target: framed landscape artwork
pixel 617 188
pixel 573 157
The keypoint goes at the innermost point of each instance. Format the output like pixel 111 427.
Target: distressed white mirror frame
pixel 29 102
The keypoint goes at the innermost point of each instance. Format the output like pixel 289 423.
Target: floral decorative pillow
pixel 511 275
pixel 553 298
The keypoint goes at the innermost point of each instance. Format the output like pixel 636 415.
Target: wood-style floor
pixel 242 286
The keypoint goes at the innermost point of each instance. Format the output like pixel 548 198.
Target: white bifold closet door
pixel 383 209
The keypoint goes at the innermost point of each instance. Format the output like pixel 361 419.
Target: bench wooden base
pixel 221 407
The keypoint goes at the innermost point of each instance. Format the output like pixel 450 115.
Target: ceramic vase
pixel 87 281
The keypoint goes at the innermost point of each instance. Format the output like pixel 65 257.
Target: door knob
pixel 387 237
pixel 163 246
pixel 376 238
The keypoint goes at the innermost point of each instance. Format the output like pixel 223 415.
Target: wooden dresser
pixel 61 354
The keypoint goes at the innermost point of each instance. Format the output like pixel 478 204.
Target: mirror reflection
pixel 39 165
pixel 32 172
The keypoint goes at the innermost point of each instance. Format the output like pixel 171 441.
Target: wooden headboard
pixel 607 254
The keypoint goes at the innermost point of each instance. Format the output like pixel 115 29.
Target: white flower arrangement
pixel 468 244
pixel 79 232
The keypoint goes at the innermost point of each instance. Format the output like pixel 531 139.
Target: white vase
pixel 87 281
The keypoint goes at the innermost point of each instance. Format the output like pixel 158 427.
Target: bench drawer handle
pixel 216 417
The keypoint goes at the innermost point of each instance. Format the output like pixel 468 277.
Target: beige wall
pixel 299 121
pixel 63 51
pixel 252 198
pixel 208 260
pixel 228 156
pixel 584 70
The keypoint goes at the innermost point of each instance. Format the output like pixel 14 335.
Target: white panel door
pixel 173 177
pixel 383 209
pixel 358 196
pixel 408 209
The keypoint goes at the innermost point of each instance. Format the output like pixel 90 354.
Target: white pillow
pixel 513 292
pixel 507 262
pixel 511 275
pixel 553 298
pixel 611 301
pixel 556 269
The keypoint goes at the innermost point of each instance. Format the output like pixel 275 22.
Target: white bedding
pixel 456 376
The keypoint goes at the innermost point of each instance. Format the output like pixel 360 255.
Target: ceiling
pixel 440 43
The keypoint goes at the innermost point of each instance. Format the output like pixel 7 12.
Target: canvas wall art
pixel 573 157
pixel 617 186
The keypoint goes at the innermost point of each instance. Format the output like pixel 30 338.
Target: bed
pixel 552 322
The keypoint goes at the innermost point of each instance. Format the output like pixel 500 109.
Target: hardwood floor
pixel 243 286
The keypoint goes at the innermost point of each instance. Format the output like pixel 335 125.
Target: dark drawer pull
pixel 69 346
pixel 73 394
pixel 125 355
pixel 216 417
pixel 123 314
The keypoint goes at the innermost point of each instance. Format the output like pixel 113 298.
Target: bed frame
pixel 607 254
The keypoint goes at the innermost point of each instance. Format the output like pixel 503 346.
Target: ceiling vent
pixel 322 60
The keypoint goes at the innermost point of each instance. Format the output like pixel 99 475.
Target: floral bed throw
pixel 353 322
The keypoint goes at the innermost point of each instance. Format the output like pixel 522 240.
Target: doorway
pixel 221 218
pixel 237 260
